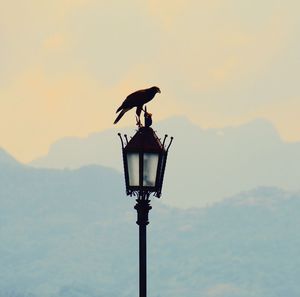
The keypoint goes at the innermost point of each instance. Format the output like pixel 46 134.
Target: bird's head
pixel 156 89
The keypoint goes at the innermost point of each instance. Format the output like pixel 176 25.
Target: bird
pixel 136 99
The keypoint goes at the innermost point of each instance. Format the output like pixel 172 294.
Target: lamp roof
pixel 145 140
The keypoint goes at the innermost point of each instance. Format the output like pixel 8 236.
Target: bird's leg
pixel 138 121
pixel 138 115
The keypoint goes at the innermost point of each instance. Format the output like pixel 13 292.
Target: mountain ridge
pixel 173 124
pixel 7 159
pixel 207 163
pixel 67 233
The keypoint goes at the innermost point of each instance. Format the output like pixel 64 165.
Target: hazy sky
pixel 66 65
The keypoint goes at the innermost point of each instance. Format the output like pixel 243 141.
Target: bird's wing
pixel 135 99
pixel 120 115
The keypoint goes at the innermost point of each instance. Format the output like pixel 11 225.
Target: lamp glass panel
pixel 162 164
pixel 150 169
pixel 133 168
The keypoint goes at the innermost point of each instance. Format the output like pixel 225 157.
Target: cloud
pixel 167 12
pixel 285 116
pixel 198 46
pixel 55 42
pixel 223 59
pixel 218 62
pixel 39 108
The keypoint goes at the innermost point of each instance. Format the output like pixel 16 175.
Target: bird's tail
pixel 120 115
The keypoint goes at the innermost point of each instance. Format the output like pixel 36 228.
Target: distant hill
pixel 72 233
pixel 7 159
pixel 205 165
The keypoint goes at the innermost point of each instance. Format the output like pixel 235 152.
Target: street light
pixel 144 159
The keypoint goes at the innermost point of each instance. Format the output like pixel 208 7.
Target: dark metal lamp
pixel 144 158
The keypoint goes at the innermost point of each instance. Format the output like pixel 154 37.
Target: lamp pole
pixel 144 158
pixel 142 207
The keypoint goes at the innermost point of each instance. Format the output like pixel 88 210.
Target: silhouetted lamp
pixel 144 158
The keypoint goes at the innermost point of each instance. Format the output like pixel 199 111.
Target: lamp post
pixel 144 159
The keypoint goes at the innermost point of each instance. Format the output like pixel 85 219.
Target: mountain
pixel 204 165
pixel 7 159
pixel 72 233
pixel 50 221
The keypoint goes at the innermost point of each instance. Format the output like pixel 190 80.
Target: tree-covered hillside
pixel 72 233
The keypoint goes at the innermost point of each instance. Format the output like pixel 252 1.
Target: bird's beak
pixel 158 91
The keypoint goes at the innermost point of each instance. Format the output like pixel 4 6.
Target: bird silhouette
pixel 136 99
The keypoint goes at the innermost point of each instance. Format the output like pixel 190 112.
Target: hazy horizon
pixel 67 65
pixel 131 128
pixel 220 162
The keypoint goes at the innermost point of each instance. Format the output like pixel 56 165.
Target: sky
pixel 66 65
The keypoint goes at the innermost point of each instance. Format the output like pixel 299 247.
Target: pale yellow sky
pixel 67 65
